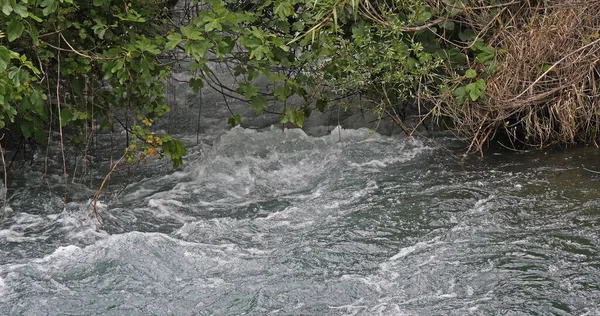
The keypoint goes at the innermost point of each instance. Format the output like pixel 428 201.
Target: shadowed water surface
pixel 278 222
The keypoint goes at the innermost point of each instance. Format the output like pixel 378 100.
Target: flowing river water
pixel 277 222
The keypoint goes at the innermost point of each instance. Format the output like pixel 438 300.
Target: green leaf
pixel 235 120
pixel 475 89
pixel 78 86
pixel 37 19
pixel 7 8
pixel 20 10
pixel 174 40
pixel 198 49
pixel 547 68
pixel 196 84
pixel 50 6
pixel 448 25
pixel 35 35
pixel 486 55
pixel 186 30
pixel 11 112
pixel 282 92
pixel 471 73
pixel 14 75
pixel 26 128
pixel 37 100
pixel 132 16
pixel 99 30
pixel 460 94
pixel 322 104
pixel 231 122
pixel 248 90
pixel 284 9
pixel 214 24
pixel 259 52
pixel 480 84
pixel 4 58
pixel 467 35
pixel 66 116
pixel 14 29
pixel 259 103
pixel 285 117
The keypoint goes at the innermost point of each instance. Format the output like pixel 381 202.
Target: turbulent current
pixel 280 223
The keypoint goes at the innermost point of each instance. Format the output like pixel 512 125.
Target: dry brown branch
pixel 545 90
pixel 104 181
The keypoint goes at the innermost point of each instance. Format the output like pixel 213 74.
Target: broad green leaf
pixel 474 94
pixel 4 58
pixel 66 116
pixel 198 49
pixel 14 29
pixel 99 30
pixel 235 120
pixel 35 35
pixel 196 84
pixel 13 74
pixel 231 122
pixel 186 30
pixel 248 90
pixel 300 117
pixel 448 25
pixel 259 52
pixel 480 84
pixel 460 95
pixel 487 54
pixel 6 8
pixel 284 9
pixel 282 92
pixel 259 103
pixel 321 104
pixel 214 24
pixel 174 40
pixel 475 90
pixel 50 6
pixel 471 73
pixel 20 10
pixel 26 128
pixel 467 35
pixel 11 112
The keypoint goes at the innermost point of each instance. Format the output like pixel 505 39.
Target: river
pixel 276 222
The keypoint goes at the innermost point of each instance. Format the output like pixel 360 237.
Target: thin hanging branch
pixel 4 203
pixel 58 105
pixel 106 178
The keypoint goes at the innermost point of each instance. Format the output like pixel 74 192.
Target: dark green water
pixel 280 223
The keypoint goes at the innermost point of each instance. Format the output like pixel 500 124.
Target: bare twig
pixel 99 191
pixel 58 105
pixel 4 203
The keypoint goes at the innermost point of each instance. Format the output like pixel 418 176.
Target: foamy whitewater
pixel 277 222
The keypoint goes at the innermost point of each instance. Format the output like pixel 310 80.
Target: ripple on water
pixel 283 223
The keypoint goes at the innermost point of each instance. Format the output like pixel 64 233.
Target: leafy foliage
pixel 83 64
pixel 86 60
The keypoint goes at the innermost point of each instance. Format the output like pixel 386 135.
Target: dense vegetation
pixel 526 69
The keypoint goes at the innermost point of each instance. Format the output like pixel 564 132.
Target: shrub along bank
pixel 525 69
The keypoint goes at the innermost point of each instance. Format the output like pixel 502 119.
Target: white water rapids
pixel 281 223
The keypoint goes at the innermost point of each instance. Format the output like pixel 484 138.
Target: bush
pixel 526 69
